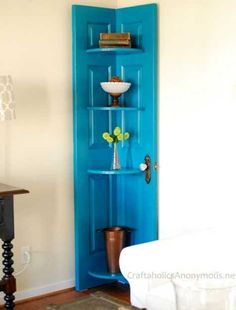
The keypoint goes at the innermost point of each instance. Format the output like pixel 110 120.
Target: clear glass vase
pixel 205 295
pixel 115 162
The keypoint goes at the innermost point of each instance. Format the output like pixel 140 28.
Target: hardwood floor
pixel 115 289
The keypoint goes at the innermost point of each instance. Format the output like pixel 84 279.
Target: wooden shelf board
pixel 115 50
pixel 103 274
pixel 114 109
pixel 114 172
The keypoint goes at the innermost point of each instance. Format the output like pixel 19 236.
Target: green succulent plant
pixel 116 136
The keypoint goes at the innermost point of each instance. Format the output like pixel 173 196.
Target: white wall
pixel 197 95
pixel 197 112
pixel 36 148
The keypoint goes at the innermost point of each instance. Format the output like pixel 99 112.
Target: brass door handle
pixel 146 168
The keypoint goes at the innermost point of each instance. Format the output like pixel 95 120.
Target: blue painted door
pixel 103 199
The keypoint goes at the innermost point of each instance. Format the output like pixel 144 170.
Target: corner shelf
pixel 106 197
pixel 114 109
pixel 115 50
pixel 114 172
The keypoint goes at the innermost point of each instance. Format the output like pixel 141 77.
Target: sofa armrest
pixel 148 265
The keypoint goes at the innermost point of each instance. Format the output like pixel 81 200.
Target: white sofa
pixel 148 267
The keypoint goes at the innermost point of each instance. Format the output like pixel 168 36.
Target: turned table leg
pixel 8 282
pixel 8 279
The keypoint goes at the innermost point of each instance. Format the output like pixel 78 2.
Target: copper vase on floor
pixel 115 239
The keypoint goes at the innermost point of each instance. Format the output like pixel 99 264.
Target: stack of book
pixel 115 39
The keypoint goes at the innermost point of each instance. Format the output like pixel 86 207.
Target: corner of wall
pixel 98 3
pixel 126 3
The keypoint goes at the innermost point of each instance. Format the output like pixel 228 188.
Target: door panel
pixel 99 217
pixel 140 70
pixel 91 205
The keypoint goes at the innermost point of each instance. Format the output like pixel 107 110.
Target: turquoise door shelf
pixel 104 197
pixel 117 51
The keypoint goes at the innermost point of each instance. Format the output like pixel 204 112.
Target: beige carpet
pixel 96 301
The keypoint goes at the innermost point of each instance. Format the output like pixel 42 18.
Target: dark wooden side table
pixel 8 281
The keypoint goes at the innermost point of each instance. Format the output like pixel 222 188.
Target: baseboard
pixel 42 290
